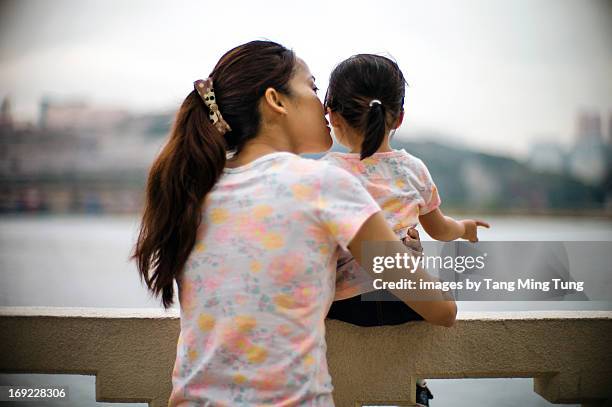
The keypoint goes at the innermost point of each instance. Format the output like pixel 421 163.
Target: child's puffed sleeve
pixel 343 204
pixel 430 194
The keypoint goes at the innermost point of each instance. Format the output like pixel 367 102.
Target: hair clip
pixel 207 93
pixel 375 102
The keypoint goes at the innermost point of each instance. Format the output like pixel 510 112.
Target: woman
pixel 252 240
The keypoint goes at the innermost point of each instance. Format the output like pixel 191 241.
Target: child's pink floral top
pixel 404 189
pixel 257 287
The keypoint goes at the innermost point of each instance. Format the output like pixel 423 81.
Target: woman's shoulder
pixel 285 168
pixel 323 167
pixel 304 165
pixel 312 181
pixel 293 168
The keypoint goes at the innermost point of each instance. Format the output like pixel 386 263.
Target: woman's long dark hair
pixel 358 80
pixel 193 159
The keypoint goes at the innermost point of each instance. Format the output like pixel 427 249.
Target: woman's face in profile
pixel 307 124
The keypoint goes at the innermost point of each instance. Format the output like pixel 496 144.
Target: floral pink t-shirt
pixel 257 286
pixel 402 185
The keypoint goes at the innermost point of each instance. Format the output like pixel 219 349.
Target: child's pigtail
pixel 375 128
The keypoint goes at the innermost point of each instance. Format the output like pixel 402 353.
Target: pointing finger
pixel 482 223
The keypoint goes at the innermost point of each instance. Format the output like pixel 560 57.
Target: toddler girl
pixel 365 103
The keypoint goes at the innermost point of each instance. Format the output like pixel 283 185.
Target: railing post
pixel 132 352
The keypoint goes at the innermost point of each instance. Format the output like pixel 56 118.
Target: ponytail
pixel 187 168
pixel 375 129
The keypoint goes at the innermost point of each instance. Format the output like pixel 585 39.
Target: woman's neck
pixel 260 145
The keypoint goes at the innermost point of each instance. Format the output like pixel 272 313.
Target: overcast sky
pixel 496 75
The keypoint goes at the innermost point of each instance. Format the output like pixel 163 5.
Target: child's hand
pixel 470 226
pixel 412 240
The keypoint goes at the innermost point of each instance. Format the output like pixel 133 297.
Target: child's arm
pixel 441 227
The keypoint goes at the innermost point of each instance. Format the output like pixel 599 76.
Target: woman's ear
pixel 400 119
pixel 274 101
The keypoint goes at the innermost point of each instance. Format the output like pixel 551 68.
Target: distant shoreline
pixel 534 213
pixel 459 212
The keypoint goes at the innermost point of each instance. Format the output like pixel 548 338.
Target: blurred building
pixel 482 186
pixel 610 129
pixel 77 114
pixel 80 158
pixel 587 160
pixel 547 156
pixel 6 118
pixel 588 127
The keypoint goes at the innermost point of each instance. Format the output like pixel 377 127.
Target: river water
pixel 82 261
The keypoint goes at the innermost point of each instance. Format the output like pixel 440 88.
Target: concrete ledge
pixel 132 351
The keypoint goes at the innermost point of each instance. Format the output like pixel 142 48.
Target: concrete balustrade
pixel 132 352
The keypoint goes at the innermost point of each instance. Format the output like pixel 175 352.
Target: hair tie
pixel 375 102
pixel 207 93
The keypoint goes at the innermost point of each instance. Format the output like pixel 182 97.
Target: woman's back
pixel 260 280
